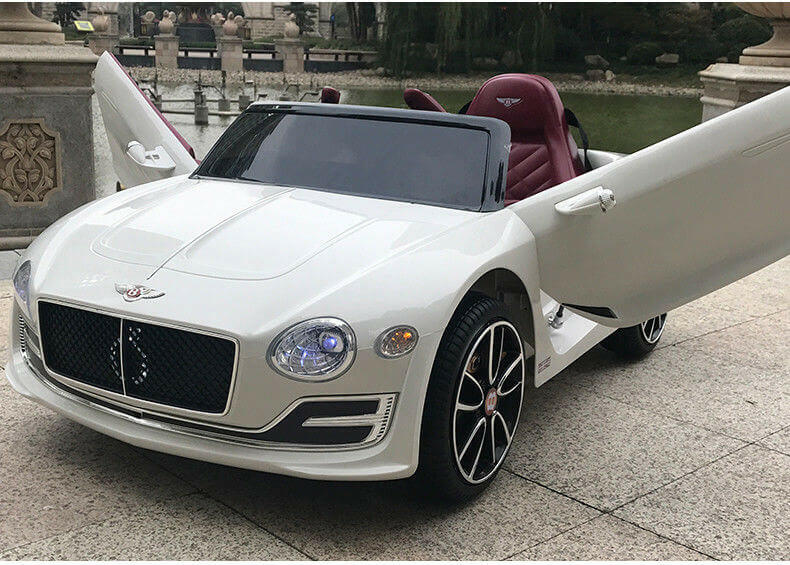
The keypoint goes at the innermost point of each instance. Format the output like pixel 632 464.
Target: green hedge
pixel 644 53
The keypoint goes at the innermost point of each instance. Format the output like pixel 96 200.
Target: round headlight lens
pixel 22 282
pixel 396 342
pixel 315 350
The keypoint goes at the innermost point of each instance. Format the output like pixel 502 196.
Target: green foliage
pixel 66 12
pixel 568 46
pixel 359 16
pixel 529 36
pixel 742 32
pixel 304 14
pixel 644 53
pixel 141 41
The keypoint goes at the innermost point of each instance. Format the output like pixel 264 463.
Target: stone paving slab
pixel 760 294
pixel 747 345
pixel 192 527
pixel 56 475
pixel 735 508
pixel 604 452
pixel 693 386
pixel 605 537
pixel 779 441
pixel 660 441
pixel 387 520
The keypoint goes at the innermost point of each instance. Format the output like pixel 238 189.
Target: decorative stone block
pixel 291 51
pixel 30 161
pixel 46 137
pixel 101 43
pixel 231 54
pixel 728 86
pixel 166 51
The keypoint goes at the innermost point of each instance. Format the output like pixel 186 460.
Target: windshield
pixel 427 163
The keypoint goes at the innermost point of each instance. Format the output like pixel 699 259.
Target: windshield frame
pixel 493 189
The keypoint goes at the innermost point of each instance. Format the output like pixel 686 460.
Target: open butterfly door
pixel 673 222
pixel 144 145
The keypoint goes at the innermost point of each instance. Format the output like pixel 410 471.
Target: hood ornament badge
pixel 133 292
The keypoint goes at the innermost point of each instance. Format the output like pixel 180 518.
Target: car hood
pixel 251 231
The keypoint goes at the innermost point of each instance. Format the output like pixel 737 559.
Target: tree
pixel 305 14
pixel 66 12
pixel 361 15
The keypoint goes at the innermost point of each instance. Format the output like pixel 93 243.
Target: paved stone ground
pixel 685 455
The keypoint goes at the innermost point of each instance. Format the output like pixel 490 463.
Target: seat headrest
pixel 419 100
pixel 528 103
pixel 330 95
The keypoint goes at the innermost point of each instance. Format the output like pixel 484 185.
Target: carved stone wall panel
pixel 30 161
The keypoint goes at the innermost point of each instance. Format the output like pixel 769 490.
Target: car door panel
pixel 689 215
pixel 144 145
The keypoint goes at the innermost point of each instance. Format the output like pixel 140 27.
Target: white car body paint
pixel 713 201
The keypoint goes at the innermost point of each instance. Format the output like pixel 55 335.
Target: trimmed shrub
pixel 567 46
pixel 737 34
pixel 644 53
pixel 746 30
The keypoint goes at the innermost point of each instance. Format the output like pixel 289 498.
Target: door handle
pixel 157 159
pixel 598 199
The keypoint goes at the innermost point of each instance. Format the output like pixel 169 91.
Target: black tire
pixel 438 475
pixel 636 341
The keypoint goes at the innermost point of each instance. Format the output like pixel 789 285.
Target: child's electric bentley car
pixel 346 292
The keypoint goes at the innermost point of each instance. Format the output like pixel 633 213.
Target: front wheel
pixel 637 341
pixel 474 400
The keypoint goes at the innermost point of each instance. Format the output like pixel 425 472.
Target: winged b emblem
pixel 508 102
pixel 133 292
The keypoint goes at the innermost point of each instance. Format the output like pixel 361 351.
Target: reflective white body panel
pixel 247 261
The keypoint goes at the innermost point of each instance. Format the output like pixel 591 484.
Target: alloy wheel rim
pixel 488 402
pixel 653 328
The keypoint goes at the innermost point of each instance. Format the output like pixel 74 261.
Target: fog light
pixel 396 342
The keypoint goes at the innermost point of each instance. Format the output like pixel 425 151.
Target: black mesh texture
pixel 164 365
pixel 81 345
pixel 176 367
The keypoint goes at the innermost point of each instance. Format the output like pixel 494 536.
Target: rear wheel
pixel 637 341
pixel 474 400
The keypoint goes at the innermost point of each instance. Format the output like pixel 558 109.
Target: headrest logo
pixel 508 102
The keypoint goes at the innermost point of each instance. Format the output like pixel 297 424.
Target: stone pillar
pixel 291 51
pixel 290 48
pixel 761 69
pixel 99 43
pixel 46 125
pixel 126 19
pixel 166 51
pixel 728 86
pixel 324 27
pixel 260 18
pixel 102 39
pixel 231 54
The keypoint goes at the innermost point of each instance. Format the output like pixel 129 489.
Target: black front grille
pixel 155 363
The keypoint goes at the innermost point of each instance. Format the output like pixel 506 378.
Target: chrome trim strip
pixel 120 357
pixel 379 421
pixel 342 421
pixel 165 410
pixel 375 436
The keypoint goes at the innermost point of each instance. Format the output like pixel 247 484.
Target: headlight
pixel 22 283
pixel 315 350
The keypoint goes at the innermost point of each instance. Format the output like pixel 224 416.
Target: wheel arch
pixel 507 287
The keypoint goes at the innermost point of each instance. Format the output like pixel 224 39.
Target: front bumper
pixel 394 456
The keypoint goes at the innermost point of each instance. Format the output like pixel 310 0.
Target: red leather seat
pixel 330 95
pixel 419 100
pixel 542 153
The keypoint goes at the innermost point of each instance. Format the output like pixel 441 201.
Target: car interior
pixel 543 152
